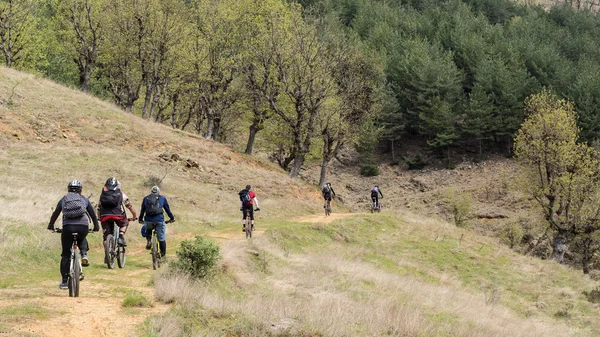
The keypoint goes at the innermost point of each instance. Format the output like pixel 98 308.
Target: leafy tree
pixel 122 59
pixel 80 27
pixel 17 24
pixel 560 174
pixel 303 68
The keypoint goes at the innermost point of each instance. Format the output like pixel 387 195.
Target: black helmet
pixel 74 186
pixel 112 183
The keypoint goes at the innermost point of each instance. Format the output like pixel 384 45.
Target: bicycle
pixel 375 207
pixel 328 208
pixel 112 248
pixel 75 268
pixel 248 224
pixel 155 251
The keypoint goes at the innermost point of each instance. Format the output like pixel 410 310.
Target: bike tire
pixel 155 253
pixel 109 248
pixel 74 277
pixel 121 256
pixel 248 231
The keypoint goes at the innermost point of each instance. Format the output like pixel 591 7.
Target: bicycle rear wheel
pixel 328 208
pixel 248 229
pixel 109 248
pixel 74 275
pixel 121 256
pixel 155 253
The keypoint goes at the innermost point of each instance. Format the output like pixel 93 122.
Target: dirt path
pixel 99 311
pixel 325 219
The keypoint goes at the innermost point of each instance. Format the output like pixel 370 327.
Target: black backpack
pixel 111 199
pixel 73 205
pixel 244 196
pixel 153 206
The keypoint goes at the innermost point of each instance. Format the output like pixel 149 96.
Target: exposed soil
pixel 98 311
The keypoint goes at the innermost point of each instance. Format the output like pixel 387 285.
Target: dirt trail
pixel 97 312
pixel 325 219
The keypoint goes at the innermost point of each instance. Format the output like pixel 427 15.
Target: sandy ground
pixel 98 311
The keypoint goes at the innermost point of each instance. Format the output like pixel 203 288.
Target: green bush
pixel 513 234
pixel 369 170
pixel 414 163
pixel 196 257
pixel 461 206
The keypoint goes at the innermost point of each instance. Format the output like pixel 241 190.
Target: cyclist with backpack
pixel 247 201
pixel 328 193
pixel 111 209
pixel 151 215
pixel 375 192
pixel 75 209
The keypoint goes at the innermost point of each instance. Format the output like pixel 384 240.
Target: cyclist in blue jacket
pixel 151 214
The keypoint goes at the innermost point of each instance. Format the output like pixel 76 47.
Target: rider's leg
pixel 66 239
pixel 252 217
pixel 161 233
pixel 243 219
pixel 122 230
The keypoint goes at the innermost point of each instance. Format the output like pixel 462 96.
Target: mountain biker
pixel 76 209
pixel 328 193
pixel 247 200
pixel 375 192
pixel 151 214
pixel 111 209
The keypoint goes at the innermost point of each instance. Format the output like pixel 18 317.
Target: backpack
pixel 73 205
pixel 244 196
pixel 153 206
pixel 111 199
pixel 326 189
pixel 374 191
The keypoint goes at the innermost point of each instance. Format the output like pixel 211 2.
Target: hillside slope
pixel 397 273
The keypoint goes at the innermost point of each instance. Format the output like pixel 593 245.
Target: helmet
pixel 112 183
pixel 74 186
pixel 155 189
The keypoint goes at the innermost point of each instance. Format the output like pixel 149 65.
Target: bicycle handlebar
pixel 59 230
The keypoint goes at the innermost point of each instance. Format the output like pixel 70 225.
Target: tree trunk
pixel 393 152
pixel 251 136
pixel 559 246
pixel 323 176
pixel 296 165
pixel 84 78
pixel 587 256
pixel 147 99
pixel 209 125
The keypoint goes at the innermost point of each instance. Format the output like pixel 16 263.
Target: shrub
pixel 593 295
pixel 369 170
pixel 414 163
pixel 513 234
pixel 461 206
pixel 196 257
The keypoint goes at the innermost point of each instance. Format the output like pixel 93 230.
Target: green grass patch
pixel 19 313
pixel 135 299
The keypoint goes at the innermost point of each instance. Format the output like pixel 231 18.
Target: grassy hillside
pixel 396 273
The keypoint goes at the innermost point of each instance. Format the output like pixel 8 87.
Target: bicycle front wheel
pixel 109 248
pixel 155 253
pixel 74 275
pixel 121 256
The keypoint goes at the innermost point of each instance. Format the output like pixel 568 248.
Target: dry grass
pixel 395 273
